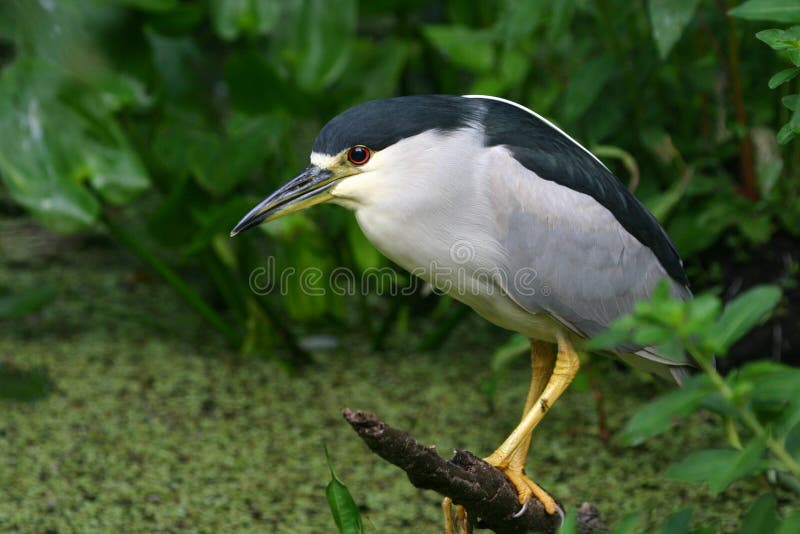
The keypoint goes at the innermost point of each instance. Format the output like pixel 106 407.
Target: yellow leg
pixel 447 510
pixel 564 370
pixel 461 517
pixel 542 358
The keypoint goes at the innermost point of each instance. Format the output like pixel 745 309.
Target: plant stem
pixel 173 279
pixel 746 157
pixel 750 420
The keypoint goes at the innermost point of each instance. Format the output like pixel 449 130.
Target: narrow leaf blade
pixel 771 10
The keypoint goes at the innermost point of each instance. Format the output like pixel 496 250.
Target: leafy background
pixel 148 127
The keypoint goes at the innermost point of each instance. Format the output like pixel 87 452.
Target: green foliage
pixel 516 346
pixel 758 403
pixel 24 385
pixel 162 122
pixel 659 415
pixel 343 508
pixel 18 304
pixel 677 523
pixel 787 42
pixel 669 19
pixel 773 10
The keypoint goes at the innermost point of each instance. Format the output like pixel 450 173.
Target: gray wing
pixel 566 254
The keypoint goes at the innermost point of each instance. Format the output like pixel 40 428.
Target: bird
pixel 496 206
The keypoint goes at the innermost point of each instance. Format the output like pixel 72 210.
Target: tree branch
pixel 482 490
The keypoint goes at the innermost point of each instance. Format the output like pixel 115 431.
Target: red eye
pixel 358 155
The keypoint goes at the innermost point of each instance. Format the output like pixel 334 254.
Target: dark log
pixel 485 493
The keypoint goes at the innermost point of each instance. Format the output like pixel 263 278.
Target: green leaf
pixel 659 415
pixel 365 254
pixel 617 334
pixel 586 85
pixel 790 525
pixel 380 68
pixel 771 10
pixel 54 142
pixel 570 525
pixel 465 47
pixel 186 144
pixel 148 5
pixel 255 87
pixel 677 523
pixel 509 351
pixel 174 59
pixel 519 20
pixel 761 517
pixel 669 19
pixel 742 314
pixel 220 166
pixel 794 122
pixel 320 41
pixel 24 385
pixel 790 101
pixel 250 17
pixel 343 507
pixel 719 467
pixel 26 302
pixel 770 381
pixel 787 40
pixel 34 163
pixel 788 424
pixel 785 134
pixel 783 77
pixel 630 524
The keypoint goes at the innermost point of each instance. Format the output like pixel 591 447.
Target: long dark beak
pixel 306 189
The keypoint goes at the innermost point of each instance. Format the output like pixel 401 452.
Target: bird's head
pixel 361 147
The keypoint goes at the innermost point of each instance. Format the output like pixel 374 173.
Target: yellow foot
pixel 527 488
pixel 461 518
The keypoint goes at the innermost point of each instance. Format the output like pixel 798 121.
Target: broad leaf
pixel 770 381
pixel 761 517
pixel 320 41
pixel 719 467
pixel 677 523
pixel 785 40
pixel 51 148
pixel 783 77
pixel 790 525
pixel 586 86
pixel 516 346
pixel 659 415
pixel 742 314
pixel 250 17
pixel 343 507
pixel 669 18
pixel 25 302
pixel 255 86
pixel 465 47
pixel 630 524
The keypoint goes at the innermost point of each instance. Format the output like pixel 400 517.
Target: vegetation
pixel 157 123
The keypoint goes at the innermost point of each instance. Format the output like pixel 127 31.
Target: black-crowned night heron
pixel 497 207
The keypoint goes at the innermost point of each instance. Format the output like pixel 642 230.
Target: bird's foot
pixel 527 488
pixel 461 518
